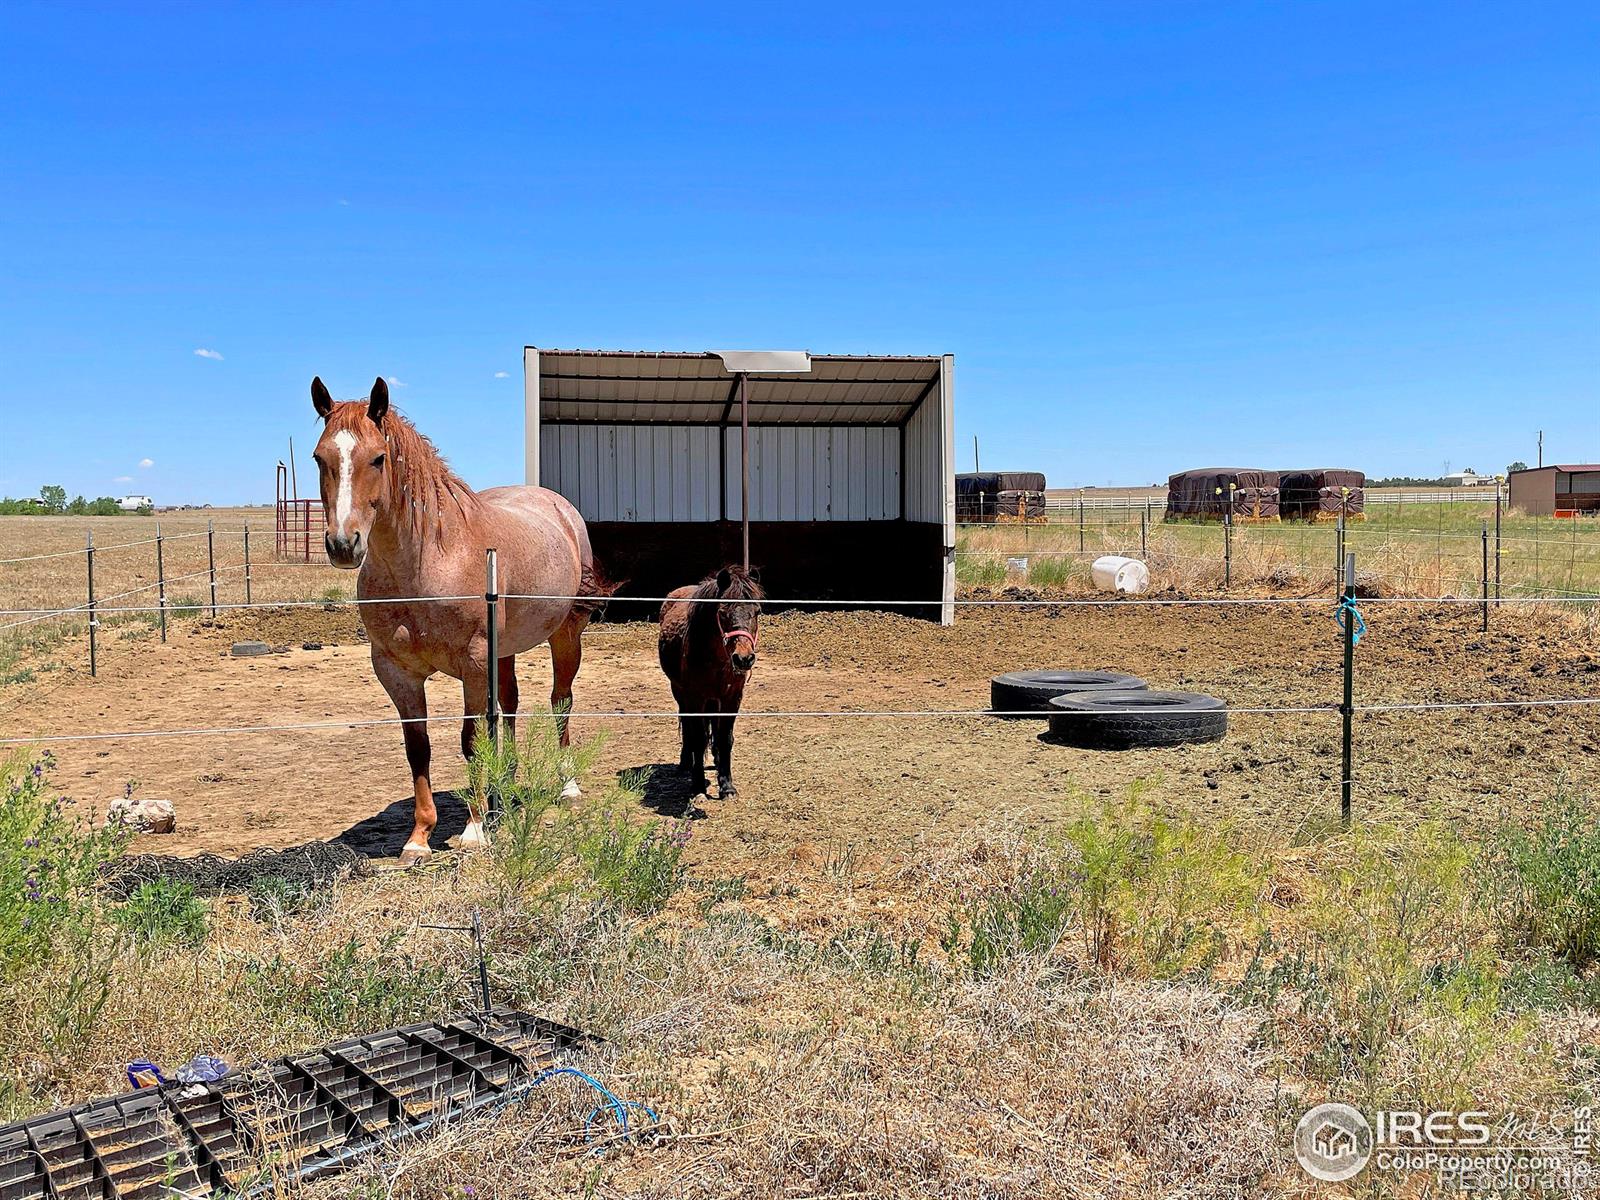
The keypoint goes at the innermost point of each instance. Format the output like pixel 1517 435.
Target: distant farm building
pixel 1562 490
pixel 1322 494
pixel 1467 479
pixel 849 467
pixel 999 496
pixel 1211 493
pixel 135 503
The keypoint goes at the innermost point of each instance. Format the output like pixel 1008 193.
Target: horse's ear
pixel 320 400
pixel 724 578
pixel 378 402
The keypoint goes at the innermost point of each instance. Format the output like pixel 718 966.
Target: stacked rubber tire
pixel 1028 693
pixel 1106 710
pixel 1136 720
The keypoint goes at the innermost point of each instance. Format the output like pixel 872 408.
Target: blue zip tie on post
pixel 1347 610
pixel 610 1103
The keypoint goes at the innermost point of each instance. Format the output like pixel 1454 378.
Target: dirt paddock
pixel 868 792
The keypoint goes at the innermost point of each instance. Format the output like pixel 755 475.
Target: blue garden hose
pixel 1346 611
pixel 610 1102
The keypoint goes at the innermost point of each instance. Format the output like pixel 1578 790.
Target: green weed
pixel 352 988
pixel 162 912
pixel 1148 895
pixel 49 862
pixel 637 866
pixel 1543 883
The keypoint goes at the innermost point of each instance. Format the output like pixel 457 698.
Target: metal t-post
pixel 1347 783
pixel 491 606
pixel 211 563
pixel 161 582
pixel 88 553
pixel 1497 550
pixel 1483 587
pixel 1227 550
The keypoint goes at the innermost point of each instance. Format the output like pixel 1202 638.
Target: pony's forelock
pixel 741 586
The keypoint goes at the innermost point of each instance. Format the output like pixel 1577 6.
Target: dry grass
pixel 125 577
pixel 1429 551
pixel 852 1056
pixel 780 1066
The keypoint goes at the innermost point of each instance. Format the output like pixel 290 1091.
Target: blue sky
pixel 1154 236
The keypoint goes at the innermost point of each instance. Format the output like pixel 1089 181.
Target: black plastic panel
pixel 305 1112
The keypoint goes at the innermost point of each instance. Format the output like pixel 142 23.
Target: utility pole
pixel 1541 447
pixel 975 466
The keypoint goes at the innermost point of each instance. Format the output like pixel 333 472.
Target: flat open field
pixel 806 1003
pixel 43 566
pixel 881 785
pixel 1417 549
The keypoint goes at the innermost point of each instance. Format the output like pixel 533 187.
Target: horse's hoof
pixel 473 837
pixel 570 790
pixel 414 856
pixel 726 791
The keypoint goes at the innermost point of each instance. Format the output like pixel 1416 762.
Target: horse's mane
pixel 419 476
pixel 741 586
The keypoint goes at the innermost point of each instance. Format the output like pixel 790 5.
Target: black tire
pixel 1032 691
pixel 1136 720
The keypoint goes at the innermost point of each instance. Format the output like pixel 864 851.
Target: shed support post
pixel 744 467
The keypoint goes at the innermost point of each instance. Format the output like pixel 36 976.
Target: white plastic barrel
pixel 1113 573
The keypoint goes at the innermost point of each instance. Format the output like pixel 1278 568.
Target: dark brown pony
pixel 708 648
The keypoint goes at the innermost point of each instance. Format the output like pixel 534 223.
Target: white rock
pixel 142 814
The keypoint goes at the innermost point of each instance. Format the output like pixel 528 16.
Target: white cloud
pixel 502 374
pixel 202 352
pixel 344 204
pixel 123 479
pixel 393 382
pixel 147 463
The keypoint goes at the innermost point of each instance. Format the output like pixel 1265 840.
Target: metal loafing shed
pixel 847 461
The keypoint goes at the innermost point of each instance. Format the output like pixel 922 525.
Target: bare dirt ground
pixel 823 797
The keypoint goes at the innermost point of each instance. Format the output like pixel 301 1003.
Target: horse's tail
pixel 594 590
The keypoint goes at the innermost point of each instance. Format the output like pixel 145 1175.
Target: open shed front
pixel 851 484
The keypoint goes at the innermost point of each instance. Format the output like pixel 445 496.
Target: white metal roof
pixel 696 389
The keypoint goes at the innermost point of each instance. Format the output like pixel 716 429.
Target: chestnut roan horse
pixel 397 512
pixel 707 648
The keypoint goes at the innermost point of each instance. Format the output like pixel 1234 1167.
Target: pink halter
pixel 729 634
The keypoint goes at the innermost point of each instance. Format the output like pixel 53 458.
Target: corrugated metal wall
pixel 928 470
pixel 674 473
pixel 801 473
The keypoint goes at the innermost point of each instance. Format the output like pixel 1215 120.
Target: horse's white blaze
pixel 346 441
